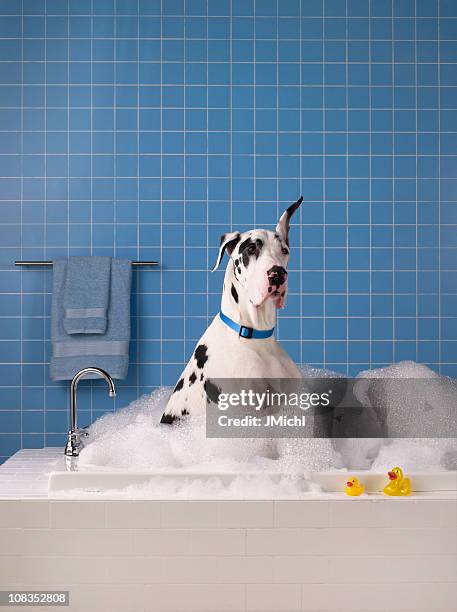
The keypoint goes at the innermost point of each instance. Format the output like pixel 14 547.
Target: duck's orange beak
pixel 392 475
pixel 349 484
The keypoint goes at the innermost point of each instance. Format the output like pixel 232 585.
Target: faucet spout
pixel 74 441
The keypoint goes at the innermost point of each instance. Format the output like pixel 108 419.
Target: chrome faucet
pixel 75 434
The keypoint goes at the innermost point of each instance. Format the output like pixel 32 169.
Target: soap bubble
pixel 132 439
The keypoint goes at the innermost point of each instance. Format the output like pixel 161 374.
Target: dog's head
pixel 259 260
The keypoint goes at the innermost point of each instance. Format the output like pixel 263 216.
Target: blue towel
pixel 109 351
pixel 86 295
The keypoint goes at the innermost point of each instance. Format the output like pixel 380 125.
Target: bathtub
pixel 322 552
pixel 92 480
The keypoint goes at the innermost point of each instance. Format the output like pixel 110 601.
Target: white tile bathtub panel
pixel 19 513
pixel 391 541
pixel 382 569
pixel 273 597
pixel 310 514
pixel 399 512
pixel 216 569
pixel 161 542
pixel 330 554
pixel 137 514
pixel 202 597
pixel 286 541
pixel 246 514
pixel 301 569
pixel 11 542
pixel 45 572
pixel 218 542
pixel 423 513
pixel 115 598
pixel 141 570
pixel 84 515
pixel 196 514
pixel 357 512
pixel 351 541
pixel 429 597
pixel 192 570
pixel 327 577
pixel 246 569
pixel 190 542
pixel 79 542
pixel 10 570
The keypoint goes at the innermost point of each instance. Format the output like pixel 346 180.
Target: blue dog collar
pixel 246 332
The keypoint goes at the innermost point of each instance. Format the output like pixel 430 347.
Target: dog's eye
pixel 252 249
pixel 285 251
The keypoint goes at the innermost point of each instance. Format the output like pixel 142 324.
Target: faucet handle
pixel 82 432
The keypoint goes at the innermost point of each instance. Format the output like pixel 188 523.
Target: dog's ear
pixel 284 222
pixel 228 243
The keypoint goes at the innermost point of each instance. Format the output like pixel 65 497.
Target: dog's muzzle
pixel 277 284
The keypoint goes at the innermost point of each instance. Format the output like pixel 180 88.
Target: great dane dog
pixel 239 343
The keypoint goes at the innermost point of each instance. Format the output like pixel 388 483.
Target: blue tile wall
pixel 146 128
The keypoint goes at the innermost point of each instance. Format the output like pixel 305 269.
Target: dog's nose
pixel 277 276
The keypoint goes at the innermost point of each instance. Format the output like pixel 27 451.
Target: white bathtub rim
pixel 104 482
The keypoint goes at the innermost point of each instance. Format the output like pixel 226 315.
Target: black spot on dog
pixel 184 412
pixel 200 355
pixel 168 419
pixel 239 270
pixel 243 251
pixel 250 248
pixel 212 392
pixel 231 244
pixel 201 376
pixel 179 385
pixel 237 261
pixel 192 378
pixel 234 293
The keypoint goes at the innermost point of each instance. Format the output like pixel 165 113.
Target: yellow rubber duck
pixel 353 487
pixel 398 485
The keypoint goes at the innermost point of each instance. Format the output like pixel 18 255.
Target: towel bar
pixel 49 263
